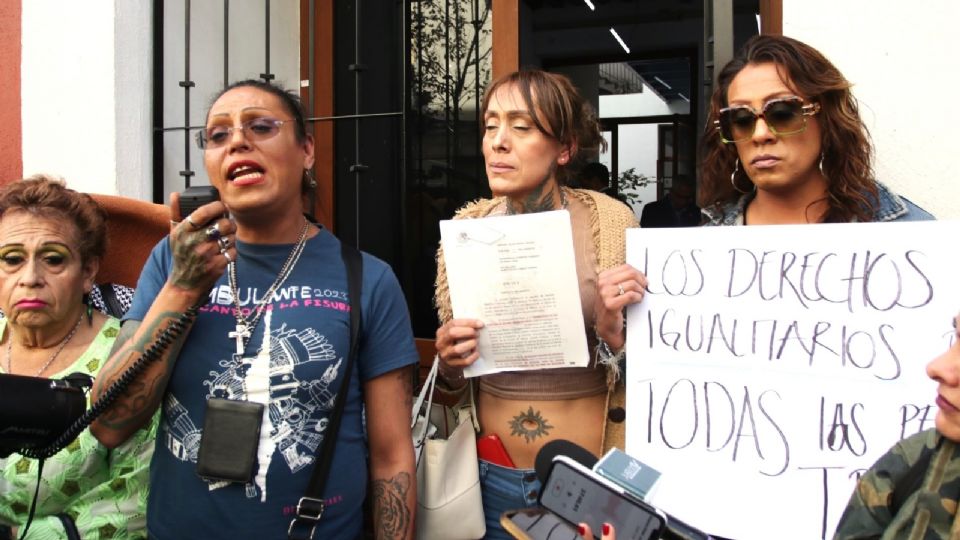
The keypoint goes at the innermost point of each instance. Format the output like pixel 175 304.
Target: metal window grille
pixel 436 79
pixel 200 47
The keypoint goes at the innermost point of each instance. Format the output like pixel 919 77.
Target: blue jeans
pixel 505 489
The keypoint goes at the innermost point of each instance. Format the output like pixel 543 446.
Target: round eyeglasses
pixel 255 129
pixel 784 116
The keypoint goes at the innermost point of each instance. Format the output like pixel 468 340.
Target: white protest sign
pixel 768 367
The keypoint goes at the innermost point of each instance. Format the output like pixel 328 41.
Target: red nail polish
pixel 581 530
pixel 606 529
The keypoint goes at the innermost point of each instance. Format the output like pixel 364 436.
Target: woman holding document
pixel 785 144
pixel 537 128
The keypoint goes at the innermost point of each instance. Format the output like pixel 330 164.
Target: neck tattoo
pixel 245 326
pixel 56 353
pixel 537 202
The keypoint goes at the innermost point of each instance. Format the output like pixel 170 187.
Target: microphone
pixel 561 447
pixel 675 529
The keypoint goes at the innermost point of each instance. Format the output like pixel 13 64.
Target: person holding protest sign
pixel 536 127
pixel 913 491
pixel 785 144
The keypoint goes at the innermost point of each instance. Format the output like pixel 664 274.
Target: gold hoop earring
pixel 733 178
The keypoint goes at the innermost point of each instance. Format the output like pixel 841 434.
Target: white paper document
pixel 517 274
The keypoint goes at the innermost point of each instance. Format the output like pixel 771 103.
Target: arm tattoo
pixel 540 199
pixel 127 331
pixel 391 515
pixel 529 425
pixel 143 393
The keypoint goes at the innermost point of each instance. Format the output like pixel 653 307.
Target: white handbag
pixel 449 505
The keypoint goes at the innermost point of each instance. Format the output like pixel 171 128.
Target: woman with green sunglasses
pixel 785 143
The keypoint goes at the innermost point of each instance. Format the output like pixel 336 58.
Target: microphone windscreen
pixel 561 447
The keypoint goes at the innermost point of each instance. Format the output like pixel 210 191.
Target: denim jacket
pixel 890 207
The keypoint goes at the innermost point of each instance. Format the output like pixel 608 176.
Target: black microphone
pixel 675 529
pixel 561 447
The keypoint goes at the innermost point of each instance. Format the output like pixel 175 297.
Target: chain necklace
pixel 56 353
pixel 245 326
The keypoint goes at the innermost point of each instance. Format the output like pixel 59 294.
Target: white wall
pixel 637 142
pixel 86 92
pixel 87 84
pixel 902 58
pixel 638 150
pixel 646 103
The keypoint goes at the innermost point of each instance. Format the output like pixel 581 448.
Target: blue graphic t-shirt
pixel 292 363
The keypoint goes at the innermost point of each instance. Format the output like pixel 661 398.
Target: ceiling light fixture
pixel 683 97
pixel 589 5
pixel 661 81
pixel 620 41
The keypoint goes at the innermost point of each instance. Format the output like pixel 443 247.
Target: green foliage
pixel 629 182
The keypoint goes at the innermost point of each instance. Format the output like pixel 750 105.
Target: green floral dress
pixel 104 491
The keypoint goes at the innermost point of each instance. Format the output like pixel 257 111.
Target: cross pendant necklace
pixel 240 334
pixel 244 327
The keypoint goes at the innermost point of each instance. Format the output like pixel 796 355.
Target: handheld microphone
pixel 561 447
pixel 675 529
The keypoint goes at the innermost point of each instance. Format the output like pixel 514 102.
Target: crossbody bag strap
pixel 311 506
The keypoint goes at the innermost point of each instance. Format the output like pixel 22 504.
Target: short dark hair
pixel 595 169
pixel 48 196
pixel 594 172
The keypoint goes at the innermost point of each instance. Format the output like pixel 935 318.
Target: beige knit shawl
pixel 609 221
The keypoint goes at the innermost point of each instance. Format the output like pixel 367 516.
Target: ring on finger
pixel 213 232
pixel 223 242
pixel 189 220
pixel 620 290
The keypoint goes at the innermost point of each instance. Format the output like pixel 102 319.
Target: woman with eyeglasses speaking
pixel 784 144
pixel 249 394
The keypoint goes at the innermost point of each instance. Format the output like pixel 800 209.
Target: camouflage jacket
pixel 928 512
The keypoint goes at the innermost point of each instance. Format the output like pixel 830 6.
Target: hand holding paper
pixel 457 342
pixel 517 275
pixel 616 289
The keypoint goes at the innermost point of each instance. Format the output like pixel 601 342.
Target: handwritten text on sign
pixel 768 367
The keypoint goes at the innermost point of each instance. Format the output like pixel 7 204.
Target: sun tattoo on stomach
pixel 529 425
